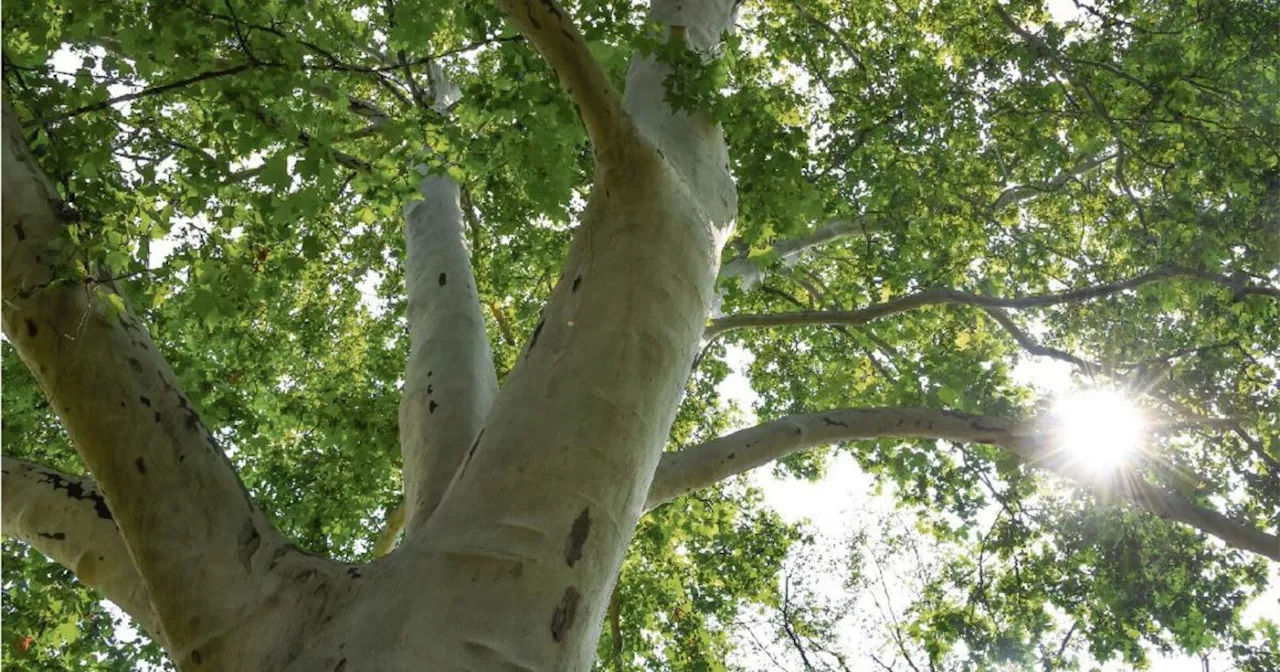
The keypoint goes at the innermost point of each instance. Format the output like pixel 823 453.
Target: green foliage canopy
pixel 245 165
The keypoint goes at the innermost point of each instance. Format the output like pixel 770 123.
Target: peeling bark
pixel 66 517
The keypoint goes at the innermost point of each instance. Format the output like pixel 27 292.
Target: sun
pixel 1101 429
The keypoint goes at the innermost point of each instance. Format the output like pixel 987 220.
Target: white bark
pixel 66 518
pixel 749 273
pixel 1033 442
pixel 210 561
pixel 521 554
pixel 450 383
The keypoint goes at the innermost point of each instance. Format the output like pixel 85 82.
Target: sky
pixel 845 498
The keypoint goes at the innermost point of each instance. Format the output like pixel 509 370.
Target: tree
pixel 567 212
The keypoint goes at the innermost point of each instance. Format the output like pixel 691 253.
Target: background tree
pixel 228 226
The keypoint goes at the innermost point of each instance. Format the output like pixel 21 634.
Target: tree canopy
pixel 929 194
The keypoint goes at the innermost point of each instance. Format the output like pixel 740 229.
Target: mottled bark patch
pixel 77 491
pixel 562 619
pixel 577 537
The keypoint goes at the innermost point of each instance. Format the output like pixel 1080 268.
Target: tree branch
pixel 1032 442
pixel 933 297
pixel 450 383
pixel 552 32
pixel 151 91
pixel 66 518
pixel 749 272
pixel 188 523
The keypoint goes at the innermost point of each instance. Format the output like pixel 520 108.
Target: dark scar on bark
pixel 834 423
pixel 577 537
pixel 250 540
pixel 353 572
pixel 730 456
pixel 195 656
pixel 32 329
pixel 141 465
pixel 77 491
pixel 342 665
pixel 57 536
pixel 536 331
pixel 472 452
pixel 145 401
pixel 444 279
pixel 157 417
pixel 577 281
pixel 431 407
pixel 562 618
pixel 20 230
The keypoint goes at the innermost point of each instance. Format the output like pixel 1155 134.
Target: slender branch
pixel 789 250
pixel 933 297
pixel 1023 192
pixel 66 518
pixel 1033 442
pixel 552 32
pixel 151 91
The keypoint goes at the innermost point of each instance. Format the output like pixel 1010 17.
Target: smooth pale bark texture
pixel 1033 442
pixel 450 382
pixel 537 521
pixel 66 517
pixel 211 563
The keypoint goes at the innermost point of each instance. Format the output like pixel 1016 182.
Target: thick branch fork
pixel 684 471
